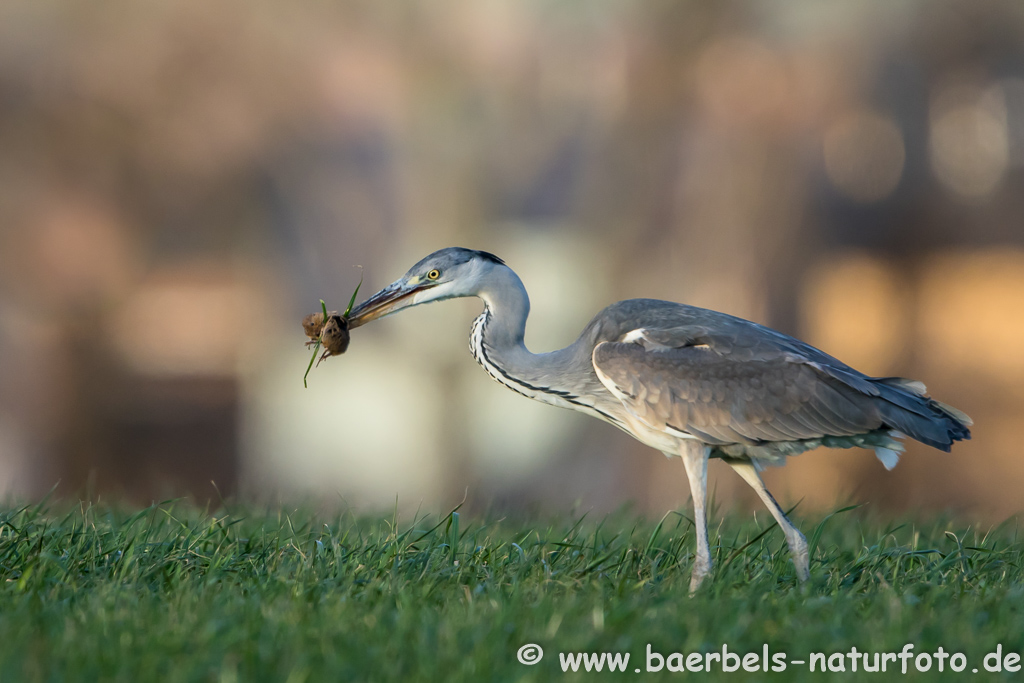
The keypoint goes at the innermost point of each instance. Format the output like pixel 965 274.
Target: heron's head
pixel 445 274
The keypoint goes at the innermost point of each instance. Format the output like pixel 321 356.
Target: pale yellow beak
pixel 391 299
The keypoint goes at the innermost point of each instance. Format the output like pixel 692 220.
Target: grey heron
pixel 690 382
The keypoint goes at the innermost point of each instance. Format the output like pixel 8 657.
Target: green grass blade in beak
pixel 352 301
pixel 316 346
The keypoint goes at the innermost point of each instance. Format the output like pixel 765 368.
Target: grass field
pixel 172 593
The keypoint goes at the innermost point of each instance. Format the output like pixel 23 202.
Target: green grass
pixel 172 593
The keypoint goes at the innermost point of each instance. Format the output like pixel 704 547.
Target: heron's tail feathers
pixel 960 416
pixel 888 456
pixel 907 408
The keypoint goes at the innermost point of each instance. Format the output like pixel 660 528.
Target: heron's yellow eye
pixel 434 274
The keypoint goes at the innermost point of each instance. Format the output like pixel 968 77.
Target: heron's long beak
pixel 393 298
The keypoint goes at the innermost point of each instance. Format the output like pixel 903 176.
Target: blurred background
pixel 180 182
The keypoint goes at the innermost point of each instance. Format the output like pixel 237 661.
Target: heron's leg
pixel 695 459
pixel 795 539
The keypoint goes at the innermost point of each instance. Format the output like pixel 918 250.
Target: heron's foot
pixel 701 568
pixel 798 551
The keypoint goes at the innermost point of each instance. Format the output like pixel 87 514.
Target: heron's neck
pixel 506 308
pixel 497 341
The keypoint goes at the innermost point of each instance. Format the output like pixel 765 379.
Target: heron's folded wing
pixel 730 388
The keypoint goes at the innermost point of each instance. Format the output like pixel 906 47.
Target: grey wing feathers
pixel 722 401
pixel 746 384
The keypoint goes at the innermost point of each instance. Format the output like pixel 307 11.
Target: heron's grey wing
pixel 730 388
pixel 735 381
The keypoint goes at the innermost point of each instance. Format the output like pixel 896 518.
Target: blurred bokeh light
pixel 182 181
